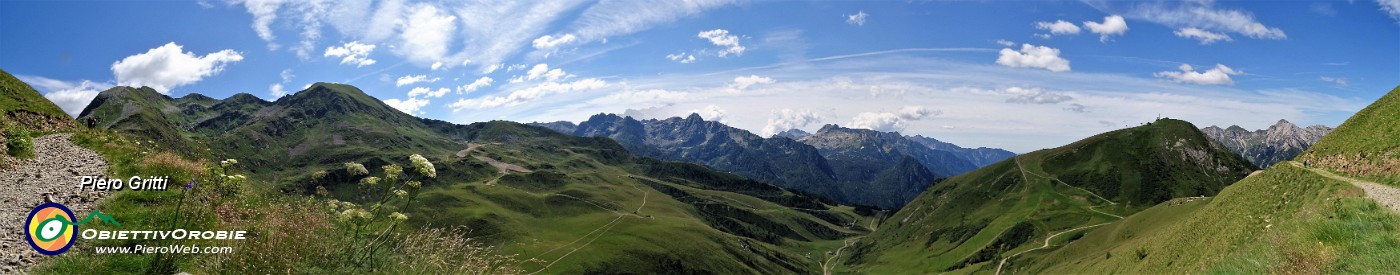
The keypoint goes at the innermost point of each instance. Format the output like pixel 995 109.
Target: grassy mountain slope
pixel 1283 220
pixel 21 104
pixel 1366 145
pixel 1287 219
pixel 564 204
pixel 970 221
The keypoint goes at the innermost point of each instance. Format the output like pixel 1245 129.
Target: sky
pixel 1019 75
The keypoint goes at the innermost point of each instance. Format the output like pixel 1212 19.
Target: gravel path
pixel 1385 195
pixel 52 175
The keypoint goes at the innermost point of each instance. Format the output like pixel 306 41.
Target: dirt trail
pixel 604 230
pixel 827 265
pixel 53 174
pixel 1046 244
pixel 1385 195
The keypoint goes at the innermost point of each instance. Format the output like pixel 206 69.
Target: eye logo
pixel 49 229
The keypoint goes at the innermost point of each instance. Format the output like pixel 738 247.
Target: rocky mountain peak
pixel 1281 141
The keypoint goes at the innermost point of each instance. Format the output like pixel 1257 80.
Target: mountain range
pixel 528 189
pixel 1164 197
pixel 852 166
pixel 1264 148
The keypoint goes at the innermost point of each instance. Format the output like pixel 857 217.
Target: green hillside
pixel 1366 145
pixel 561 204
pixel 1287 219
pixel 21 104
pixel 1283 220
pixel 969 222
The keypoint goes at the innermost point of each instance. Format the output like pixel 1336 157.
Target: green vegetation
pixel 1284 220
pixel 288 233
pixel 970 222
pixel 18 142
pixel 556 203
pixel 1366 145
pixel 20 104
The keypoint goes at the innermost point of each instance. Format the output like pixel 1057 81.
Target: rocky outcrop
pixel 1264 148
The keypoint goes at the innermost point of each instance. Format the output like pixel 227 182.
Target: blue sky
pixel 1020 75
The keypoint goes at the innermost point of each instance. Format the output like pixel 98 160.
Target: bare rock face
pixel 52 175
pixel 1264 148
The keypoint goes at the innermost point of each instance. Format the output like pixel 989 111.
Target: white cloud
pixel 917 112
pixel 1206 37
pixel 549 41
pixel 1031 56
pixel 1201 15
pixel 1005 43
pixel 409 106
pixel 683 58
pixel 529 94
pixel 785 119
pixel 1034 95
pixel 1341 81
pixel 722 38
pixel 1058 27
pixel 857 19
pixel 276 90
pixel 436 65
pixel 69 96
pixel 743 82
pixel 286 75
pixel 884 122
pixel 491 68
pixel 168 66
pixel 353 52
pixel 264 12
pixel 482 82
pixel 417 91
pixel 711 113
pixel 542 71
pixel 410 79
pixel 1391 7
pixel 891 122
pixel 610 18
pixel 1220 75
pixel 1112 25
pixel 427 33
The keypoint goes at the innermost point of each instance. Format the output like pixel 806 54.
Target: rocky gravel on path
pixel 53 175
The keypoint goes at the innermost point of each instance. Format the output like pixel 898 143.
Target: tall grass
pixel 287 234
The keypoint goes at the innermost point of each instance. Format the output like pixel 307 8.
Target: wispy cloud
pixel 976 104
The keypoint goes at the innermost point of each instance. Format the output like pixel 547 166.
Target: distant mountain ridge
pixel 853 166
pixel 660 216
pixel 1264 148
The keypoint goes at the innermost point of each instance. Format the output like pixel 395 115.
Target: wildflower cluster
pixel 368 228
pixel 224 180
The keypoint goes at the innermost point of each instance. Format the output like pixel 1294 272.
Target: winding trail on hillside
pixel 1046 244
pixel 827 265
pixel 53 175
pixel 604 230
pixel 1385 195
